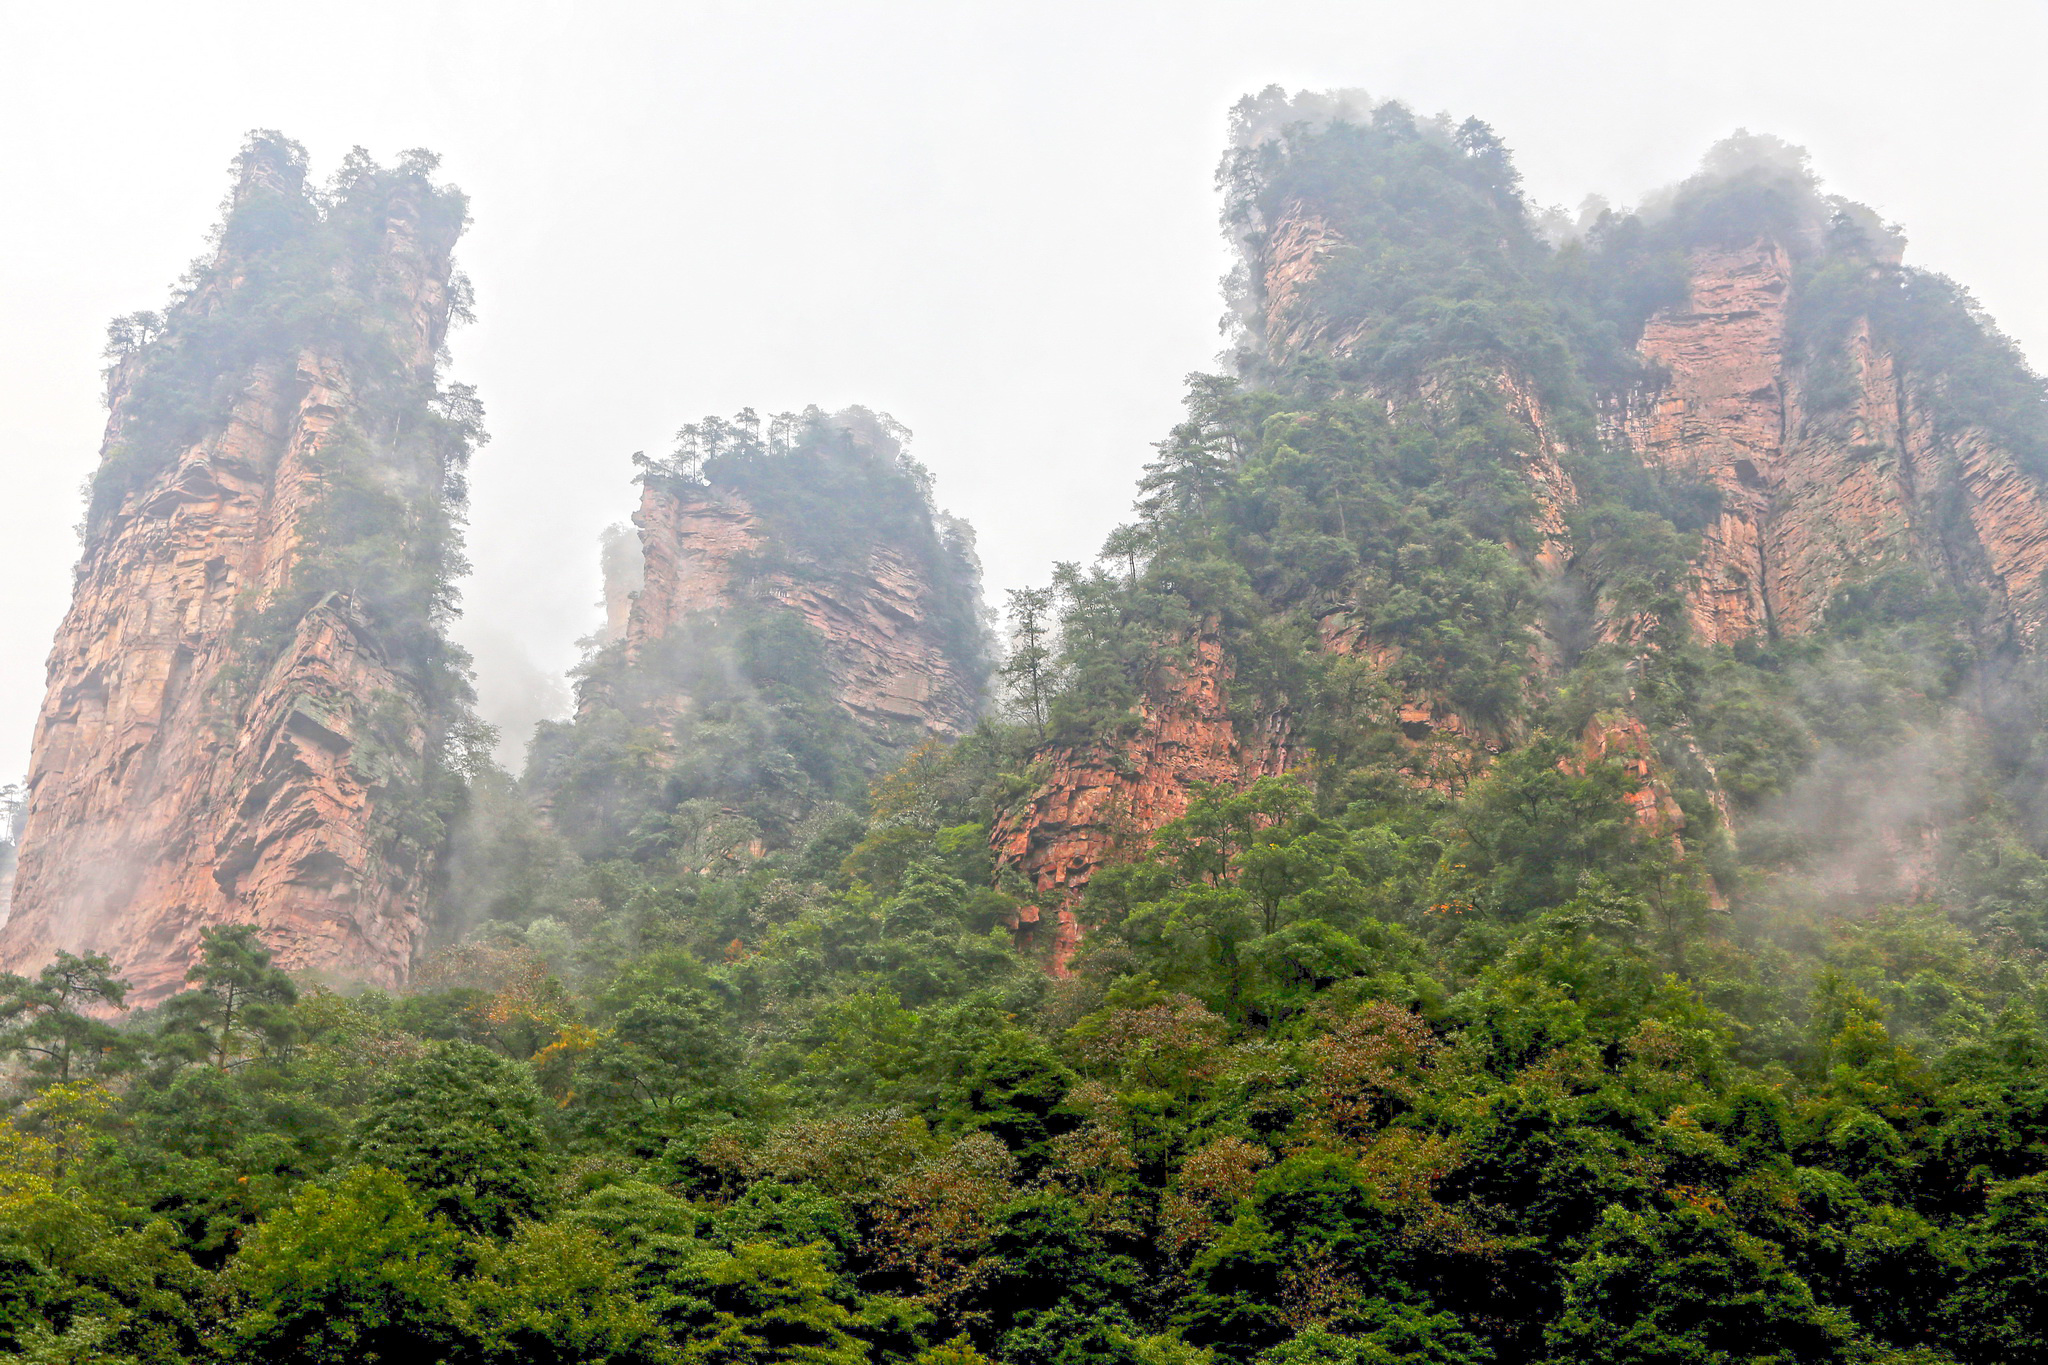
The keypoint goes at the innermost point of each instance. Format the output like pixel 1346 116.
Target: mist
pixel 998 224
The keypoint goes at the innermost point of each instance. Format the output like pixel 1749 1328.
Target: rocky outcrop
pixel 1097 803
pixel 1441 750
pixel 890 661
pixel 211 750
pixel 1720 418
pixel 1290 257
pixel 1835 463
pixel 1551 489
pixel 1618 736
pixel 1826 458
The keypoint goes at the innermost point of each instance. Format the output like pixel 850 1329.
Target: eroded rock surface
pixel 1825 478
pixel 198 762
pixel 1105 800
pixel 889 659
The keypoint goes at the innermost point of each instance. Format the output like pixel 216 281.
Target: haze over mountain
pixel 1520 839
pixel 932 209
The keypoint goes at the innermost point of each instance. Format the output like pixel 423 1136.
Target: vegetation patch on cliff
pixel 1702 1013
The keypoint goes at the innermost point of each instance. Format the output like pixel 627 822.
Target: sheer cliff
pixel 796 618
pixel 1786 381
pixel 1434 603
pixel 1684 489
pixel 1529 847
pixel 253 712
pixel 888 658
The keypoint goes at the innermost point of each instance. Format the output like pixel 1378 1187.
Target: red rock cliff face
pixel 1820 490
pixel 1096 803
pixel 176 781
pixel 1721 418
pixel 889 662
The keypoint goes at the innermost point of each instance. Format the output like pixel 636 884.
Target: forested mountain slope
pixel 1527 849
pixel 1720 492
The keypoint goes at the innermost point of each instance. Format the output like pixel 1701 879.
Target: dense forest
pixel 1432 1047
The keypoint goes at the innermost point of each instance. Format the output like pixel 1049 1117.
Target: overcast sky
pixel 995 221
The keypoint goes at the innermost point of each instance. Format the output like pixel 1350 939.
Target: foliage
pixel 461 1125
pixel 242 1003
pixel 355 1273
pixel 1542 1012
pixel 46 1020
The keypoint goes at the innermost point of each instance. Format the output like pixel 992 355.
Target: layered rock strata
pixel 198 762
pixel 890 662
pixel 1821 490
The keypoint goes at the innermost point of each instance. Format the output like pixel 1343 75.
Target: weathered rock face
pixel 1821 490
pixel 1622 737
pixel 1099 802
pixel 889 661
pixel 1289 258
pixel 198 761
pixel 1721 419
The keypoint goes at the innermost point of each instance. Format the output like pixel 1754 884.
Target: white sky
pixel 993 220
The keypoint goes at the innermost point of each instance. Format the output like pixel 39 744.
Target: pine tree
pixel 44 1019
pixel 242 1004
